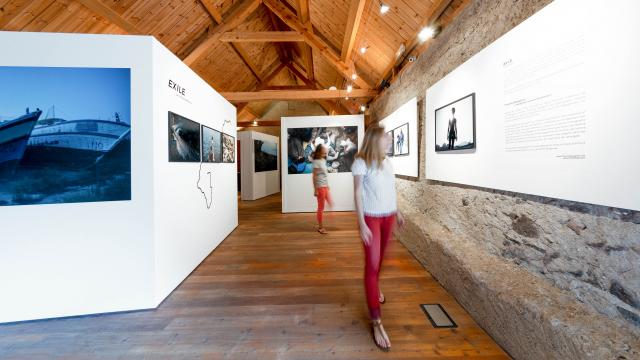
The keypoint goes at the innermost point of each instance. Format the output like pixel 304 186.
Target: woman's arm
pixel 365 233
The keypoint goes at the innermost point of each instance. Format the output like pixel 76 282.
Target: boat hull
pixel 14 136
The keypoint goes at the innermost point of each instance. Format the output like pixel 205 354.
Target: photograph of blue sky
pixel 76 93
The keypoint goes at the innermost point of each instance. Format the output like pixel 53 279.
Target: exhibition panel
pixel 342 135
pixel 195 199
pixel 100 167
pixel 534 113
pixel 66 250
pixel 402 127
pixel 259 166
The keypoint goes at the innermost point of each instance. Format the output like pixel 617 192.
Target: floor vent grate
pixel 438 316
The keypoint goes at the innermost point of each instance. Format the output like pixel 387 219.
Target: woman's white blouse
pixel 378 188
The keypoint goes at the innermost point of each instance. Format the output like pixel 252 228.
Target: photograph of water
pixel 65 135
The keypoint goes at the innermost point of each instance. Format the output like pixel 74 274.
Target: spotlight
pixel 384 8
pixel 363 108
pixel 333 88
pixel 255 122
pixel 363 50
pixel 354 76
pixel 349 89
pixel 346 98
pixel 426 32
pixel 411 58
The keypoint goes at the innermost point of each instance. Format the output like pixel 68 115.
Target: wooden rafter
pixel 301 95
pixel 353 24
pixel 307 52
pixel 230 22
pixel 330 107
pixel 261 36
pixel 314 41
pixel 106 12
pixel 438 8
pixel 283 51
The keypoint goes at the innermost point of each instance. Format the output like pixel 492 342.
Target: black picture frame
pixel 234 148
pixel 473 111
pixel 202 148
pixel 395 154
pixel 192 155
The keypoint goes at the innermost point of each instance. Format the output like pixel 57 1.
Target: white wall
pixel 566 49
pixel 406 165
pixel 185 230
pixel 256 185
pixel 297 190
pixel 73 259
pixel 84 258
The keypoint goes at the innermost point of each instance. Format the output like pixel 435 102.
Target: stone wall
pixel 546 278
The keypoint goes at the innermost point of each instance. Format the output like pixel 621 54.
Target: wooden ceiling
pixel 259 51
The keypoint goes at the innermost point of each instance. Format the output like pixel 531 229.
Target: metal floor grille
pixel 438 316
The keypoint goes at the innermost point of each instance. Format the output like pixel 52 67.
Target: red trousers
pixel 381 230
pixel 323 196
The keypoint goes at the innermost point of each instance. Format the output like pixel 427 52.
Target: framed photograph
pixel 389 134
pixel 228 148
pixel 184 139
pixel 211 145
pixel 265 155
pixel 401 140
pixel 341 141
pixel 456 125
pixel 65 135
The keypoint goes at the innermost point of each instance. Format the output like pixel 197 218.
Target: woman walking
pixel 375 196
pixel 320 183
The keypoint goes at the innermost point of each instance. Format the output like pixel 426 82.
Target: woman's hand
pixel 400 219
pixel 365 234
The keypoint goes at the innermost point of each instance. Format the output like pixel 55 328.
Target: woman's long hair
pixel 318 153
pixel 370 151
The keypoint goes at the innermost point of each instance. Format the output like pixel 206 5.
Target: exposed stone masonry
pixel 547 278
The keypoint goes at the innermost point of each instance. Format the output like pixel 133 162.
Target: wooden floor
pixel 275 289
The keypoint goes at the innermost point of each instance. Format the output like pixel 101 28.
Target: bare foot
pixel 380 336
pixel 322 231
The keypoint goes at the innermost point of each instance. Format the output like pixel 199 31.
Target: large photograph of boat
pixel 65 135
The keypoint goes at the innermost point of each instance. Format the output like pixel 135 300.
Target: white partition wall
pixel 258 180
pixel 297 189
pixel 64 255
pixel 556 111
pixel 407 115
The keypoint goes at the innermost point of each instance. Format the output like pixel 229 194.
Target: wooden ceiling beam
pixel 300 95
pixel 331 107
pixel 314 41
pixel 356 11
pixel 106 12
pixel 262 36
pixel 235 17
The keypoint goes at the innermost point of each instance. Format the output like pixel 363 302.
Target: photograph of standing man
pixel 452 129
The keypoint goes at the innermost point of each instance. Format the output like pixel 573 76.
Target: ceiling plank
pixel 302 95
pixel 10 12
pixel 106 12
pixel 261 36
pixel 314 41
pixel 353 24
pixel 283 51
pixel 231 21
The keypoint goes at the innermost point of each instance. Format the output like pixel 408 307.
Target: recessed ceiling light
pixel 425 33
pixel 384 8
pixel 349 89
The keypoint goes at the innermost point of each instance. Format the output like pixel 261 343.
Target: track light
pixel 349 89
pixel 363 108
pixel 426 32
pixel 354 76
pixel 384 8
pixel 363 50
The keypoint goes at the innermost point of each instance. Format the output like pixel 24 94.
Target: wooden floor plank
pixel 275 289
